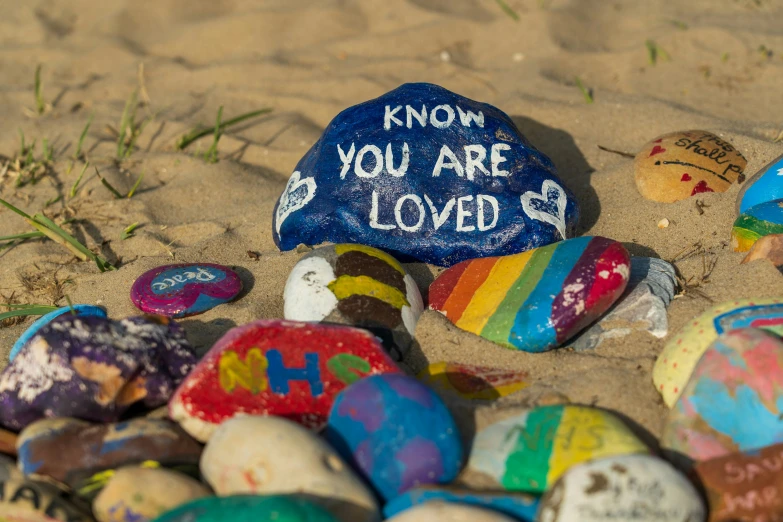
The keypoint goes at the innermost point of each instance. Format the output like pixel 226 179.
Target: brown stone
pixel 679 165
pixel 767 247
pixel 7 442
pixel 745 486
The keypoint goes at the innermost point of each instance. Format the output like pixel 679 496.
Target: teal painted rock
pixel 765 185
pixel 247 508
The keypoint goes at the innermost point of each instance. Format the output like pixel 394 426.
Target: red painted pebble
pixel 272 367
pixel 185 289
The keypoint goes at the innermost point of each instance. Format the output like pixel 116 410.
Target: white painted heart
pixel 291 200
pixel 557 220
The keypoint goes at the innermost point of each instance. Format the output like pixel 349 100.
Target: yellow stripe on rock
pixel 370 251
pixel 345 286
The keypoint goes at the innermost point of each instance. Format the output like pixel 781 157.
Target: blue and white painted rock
pixel 765 185
pixel 516 505
pixel 427 174
pixel 397 432
pixel 93 368
pixel 79 309
pixel 183 290
pixel 359 286
pixel 448 512
pixel 83 455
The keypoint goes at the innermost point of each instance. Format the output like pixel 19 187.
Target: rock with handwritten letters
pixel 516 505
pixel 676 362
pixel 271 367
pixel 82 455
pixel 765 185
pixel 267 455
pixel 744 486
pixel 248 508
pixel 641 488
pixel 529 450
pixel 449 512
pixel 473 382
pixel 426 174
pixel 537 300
pixel 769 248
pixel 24 500
pixel 739 378
pixel 756 222
pixel 94 369
pixel 42 321
pixel 356 285
pixel 185 289
pixel 135 494
pixel 682 164
pixel 397 432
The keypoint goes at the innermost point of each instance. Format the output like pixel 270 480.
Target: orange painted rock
pixel 473 382
pixel 744 486
pixel 679 165
pixel 271 367
pixel 769 248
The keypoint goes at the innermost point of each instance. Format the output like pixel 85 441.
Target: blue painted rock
pixel 426 174
pixel 530 451
pixel 448 512
pixel 765 185
pixel 136 494
pixel 739 378
pixel 537 300
pixel 247 508
pixel 675 363
pixel 23 500
pixel 638 488
pixel 679 165
pixel 642 307
pixel 756 222
pixel 83 455
pixel 397 432
pixel 266 455
pixel 359 286
pixel 94 368
pixel 516 505
pixel 28 334
pixel 284 368
pixel 185 289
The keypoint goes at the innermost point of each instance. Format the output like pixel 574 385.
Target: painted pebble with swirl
pixel 762 220
pixel 537 300
pixel 359 286
pixel 185 289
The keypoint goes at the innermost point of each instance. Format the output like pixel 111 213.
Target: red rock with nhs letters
pixel 289 369
pixel 745 486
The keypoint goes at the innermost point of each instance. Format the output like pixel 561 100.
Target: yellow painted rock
pixel 676 362
pixel 530 451
pixel 682 164
pixel 473 382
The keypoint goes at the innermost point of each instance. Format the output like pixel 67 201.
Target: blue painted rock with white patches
pixel 450 512
pixel 765 185
pixel 425 174
pixel 516 505
pixel 42 321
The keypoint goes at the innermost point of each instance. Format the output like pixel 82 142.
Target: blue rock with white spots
pixel 427 175
pixel 516 505
pixel 79 309
pixel 765 185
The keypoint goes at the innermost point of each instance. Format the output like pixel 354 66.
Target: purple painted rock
pixel 78 454
pixel 185 289
pixel 734 399
pixel 93 368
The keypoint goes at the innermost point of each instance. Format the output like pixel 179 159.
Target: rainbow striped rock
pixel 676 362
pixel 530 451
pixel 536 300
pixel 756 222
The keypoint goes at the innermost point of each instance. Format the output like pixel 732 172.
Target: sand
pixel 308 60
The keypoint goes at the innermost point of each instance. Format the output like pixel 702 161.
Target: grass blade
pixel 75 185
pixel 25 235
pixel 127 123
pixel 507 9
pixel 23 312
pixel 40 104
pixel 588 95
pixel 211 155
pixel 53 201
pixel 108 185
pixel 132 191
pixel 14 209
pixel 200 132
pixel 128 232
pixel 66 239
pixel 83 135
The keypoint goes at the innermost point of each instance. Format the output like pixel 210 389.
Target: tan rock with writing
pixel 767 247
pixel 682 164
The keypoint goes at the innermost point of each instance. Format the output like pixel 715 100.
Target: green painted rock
pixel 247 508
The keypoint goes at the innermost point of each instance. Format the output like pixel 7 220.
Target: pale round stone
pixel 269 455
pixel 446 512
pixel 136 493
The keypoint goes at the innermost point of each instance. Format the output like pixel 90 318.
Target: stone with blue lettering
pixel 765 185
pixel 42 321
pixel 185 289
pixel 427 175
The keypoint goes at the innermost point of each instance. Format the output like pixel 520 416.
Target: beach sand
pixel 308 60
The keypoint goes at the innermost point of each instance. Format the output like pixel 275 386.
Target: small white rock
pixel 445 56
pixel 518 57
pixel 437 511
pixel 663 223
pixel 271 455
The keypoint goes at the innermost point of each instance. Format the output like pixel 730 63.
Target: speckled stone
pixel 78 309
